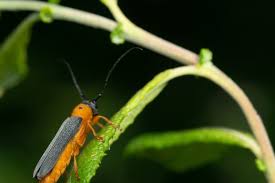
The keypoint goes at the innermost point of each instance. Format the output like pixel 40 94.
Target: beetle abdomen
pixel 72 149
pixel 60 165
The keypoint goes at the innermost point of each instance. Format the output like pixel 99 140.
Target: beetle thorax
pixel 83 111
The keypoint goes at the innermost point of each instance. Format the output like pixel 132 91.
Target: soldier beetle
pixel 72 134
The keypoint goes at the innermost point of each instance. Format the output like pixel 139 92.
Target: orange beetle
pixel 69 139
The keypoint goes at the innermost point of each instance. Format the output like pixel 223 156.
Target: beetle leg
pixel 99 138
pixel 100 125
pixel 95 121
pixel 76 169
pixel 108 121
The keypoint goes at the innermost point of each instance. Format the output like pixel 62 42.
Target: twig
pixel 150 41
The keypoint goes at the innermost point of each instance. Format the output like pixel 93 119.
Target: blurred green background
pixel 240 34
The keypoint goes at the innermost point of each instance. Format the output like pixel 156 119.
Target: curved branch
pixel 254 120
pixel 139 36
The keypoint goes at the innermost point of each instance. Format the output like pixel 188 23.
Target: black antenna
pixel 112 69
pixel 83 97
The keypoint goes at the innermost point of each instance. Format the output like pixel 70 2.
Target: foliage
pixel 188 149
pixel 13 54
pixel 117 35
pixel 90 158
pixel 205 56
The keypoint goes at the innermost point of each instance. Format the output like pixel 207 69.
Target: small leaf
pixel 13 54
pixel 260 165
pixel 205 56
pixel 185 150
pixel 117 35
pixel 46 15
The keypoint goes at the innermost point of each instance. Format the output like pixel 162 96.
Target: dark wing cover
pixel 65 133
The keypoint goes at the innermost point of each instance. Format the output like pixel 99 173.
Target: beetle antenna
pixel 83 97
pixel 111 71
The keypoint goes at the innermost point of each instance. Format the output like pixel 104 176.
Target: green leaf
pixel 117 35
pixel 260 165
pixel 91 156
pixel 89 160
pixel 13 54
pixel 205 56
pixel 184 150
pixel 46 15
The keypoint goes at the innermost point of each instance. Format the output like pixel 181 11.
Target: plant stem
pixel 163 47
pixel 137 36
pixel 61 13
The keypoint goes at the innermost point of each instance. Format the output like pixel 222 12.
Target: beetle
pixel 72 134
